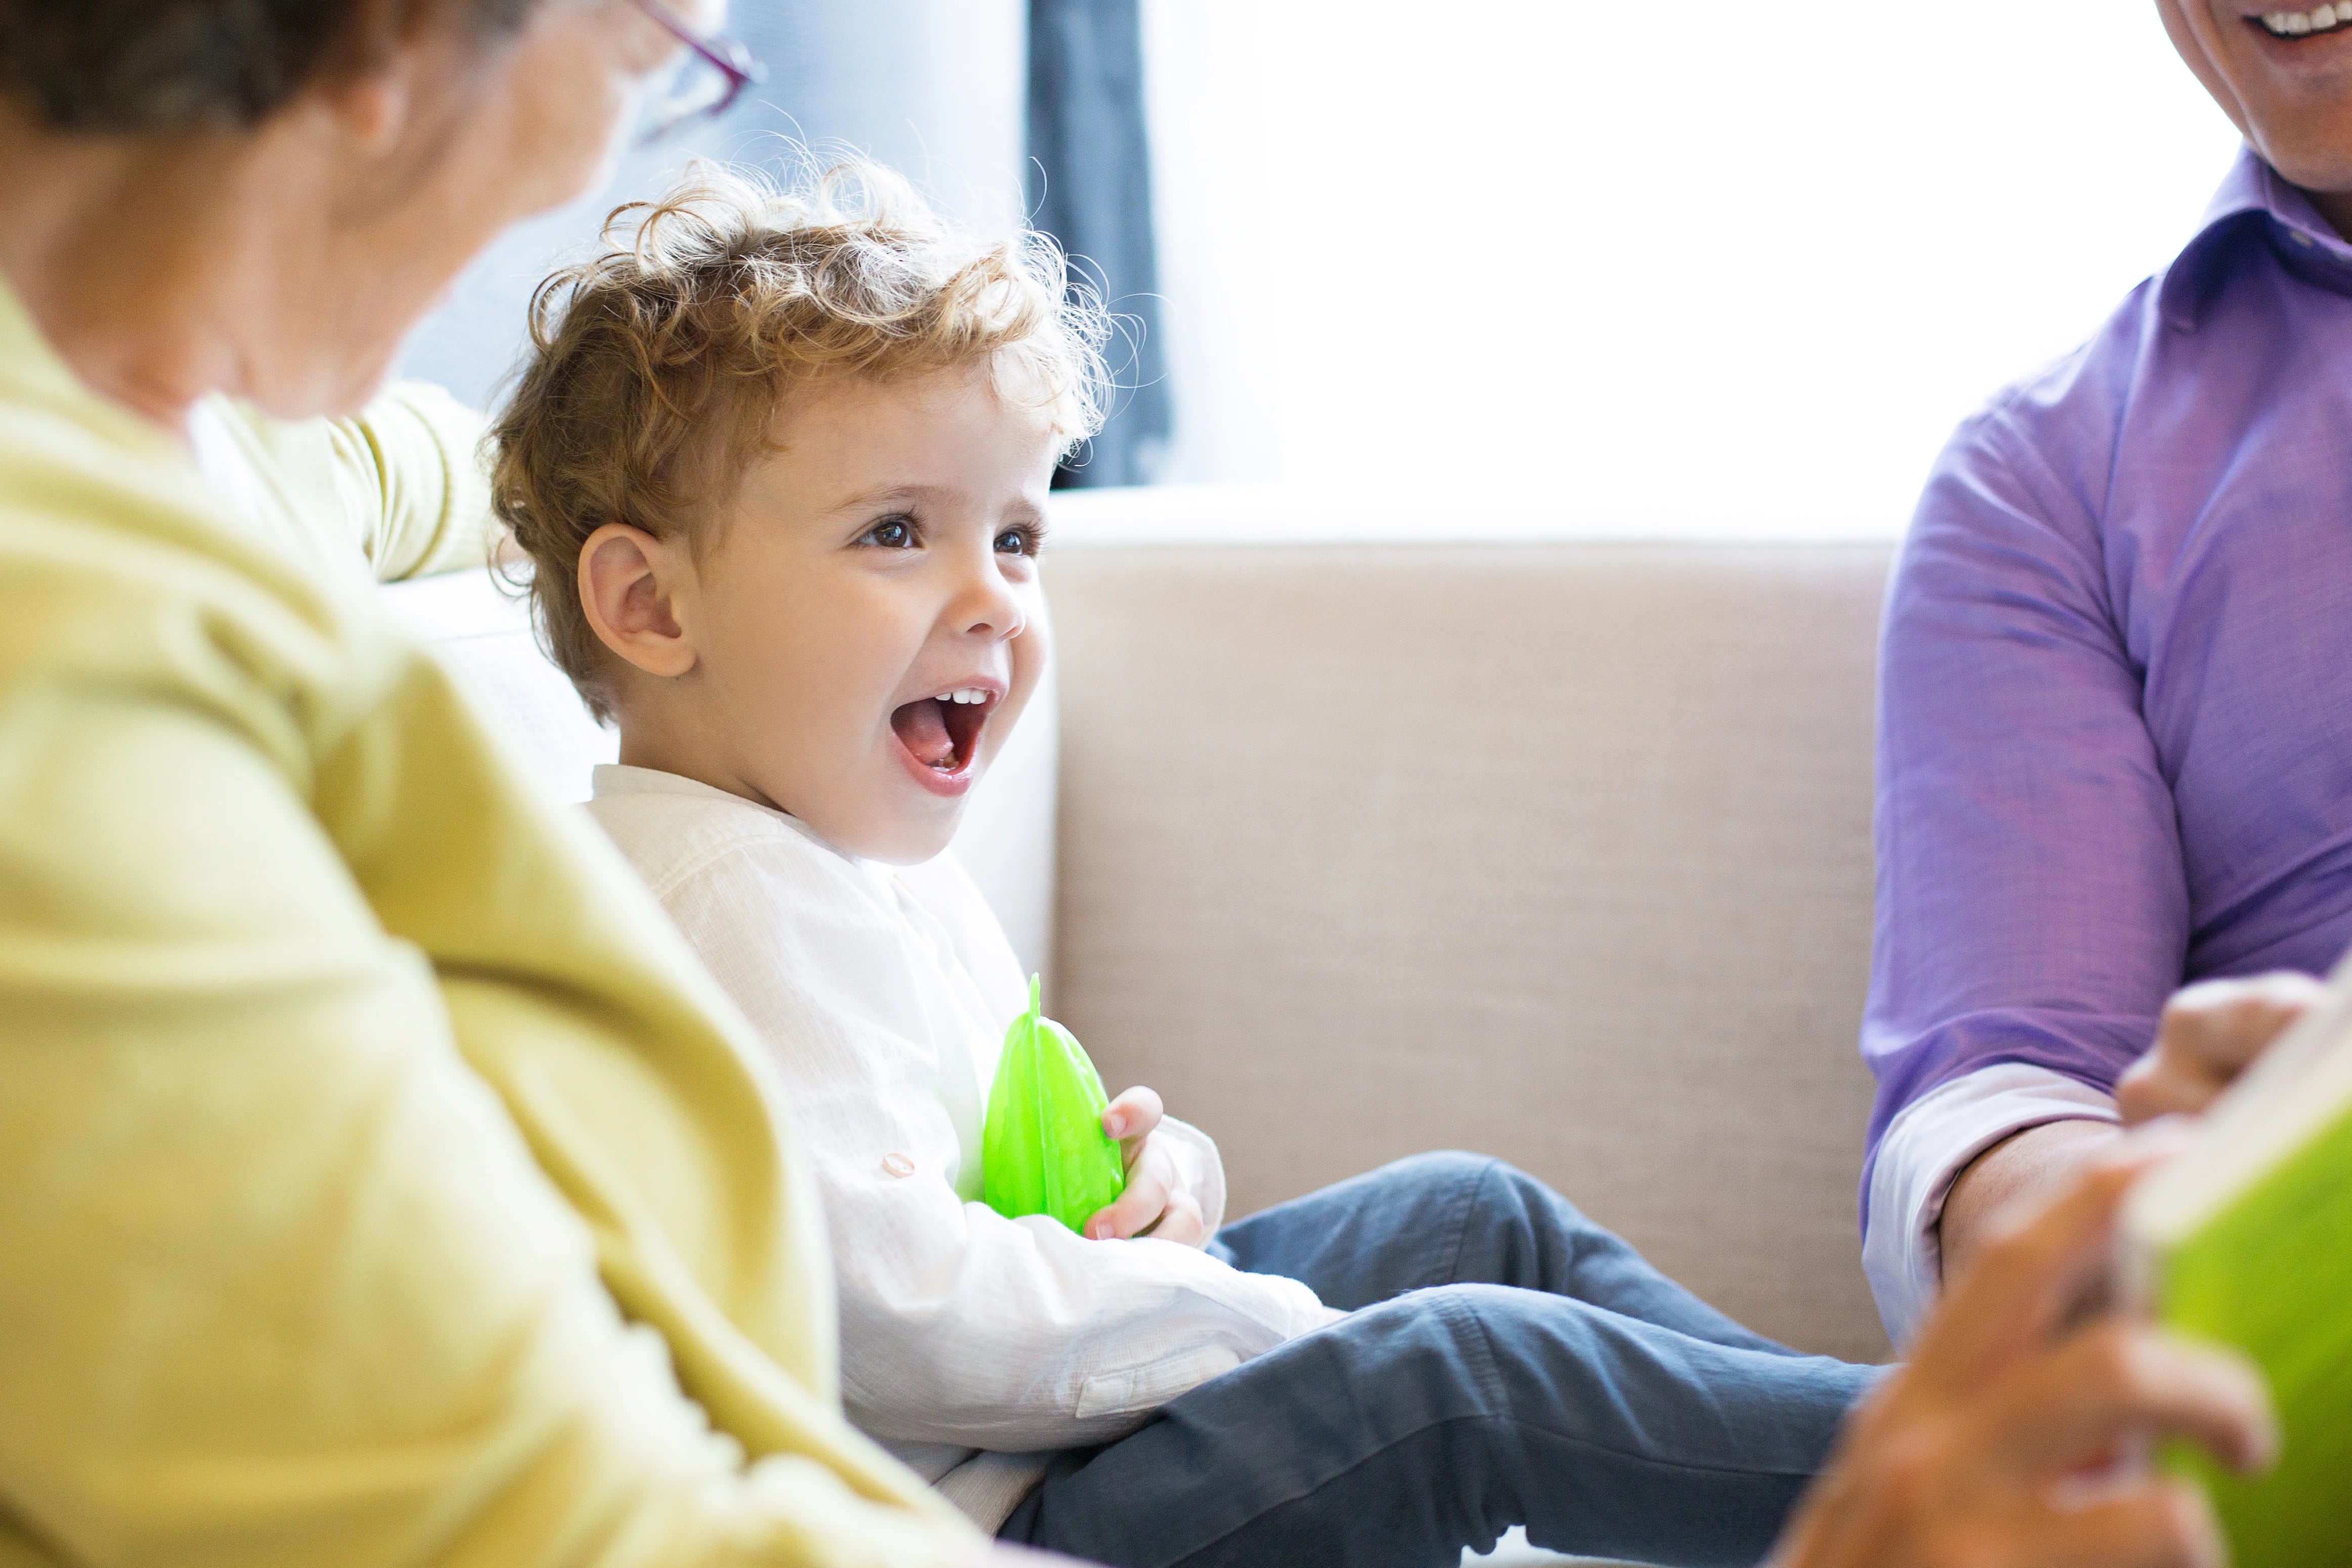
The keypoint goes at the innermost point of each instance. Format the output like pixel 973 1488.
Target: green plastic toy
pixel 1044 1150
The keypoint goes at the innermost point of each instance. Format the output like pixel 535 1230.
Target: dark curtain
pixel 1089 186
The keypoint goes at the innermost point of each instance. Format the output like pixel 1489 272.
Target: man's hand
pixel 2210 1033
pixel 1157 1201
pixel 1977 1451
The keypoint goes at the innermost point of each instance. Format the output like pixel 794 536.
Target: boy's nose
pixel 988 607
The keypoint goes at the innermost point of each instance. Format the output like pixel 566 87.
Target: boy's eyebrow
pixel 858 503
pixel 863 500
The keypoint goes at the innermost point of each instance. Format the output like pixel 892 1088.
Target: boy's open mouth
pixel 942 733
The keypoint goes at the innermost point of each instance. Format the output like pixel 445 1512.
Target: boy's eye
pixel 1016 541
pixel 891 533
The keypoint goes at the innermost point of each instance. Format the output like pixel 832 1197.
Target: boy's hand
pixel 1157 1201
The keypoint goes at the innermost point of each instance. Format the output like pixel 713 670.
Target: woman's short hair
pixel 657 365
pixel 162 66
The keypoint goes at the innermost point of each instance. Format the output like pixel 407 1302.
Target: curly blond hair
pixel 657 365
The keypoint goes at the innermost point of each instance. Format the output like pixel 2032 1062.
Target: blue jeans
pixel 1506 1362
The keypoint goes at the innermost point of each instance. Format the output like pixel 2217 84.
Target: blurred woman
pixel 380 1181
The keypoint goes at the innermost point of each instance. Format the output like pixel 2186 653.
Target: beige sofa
pixel 1559 851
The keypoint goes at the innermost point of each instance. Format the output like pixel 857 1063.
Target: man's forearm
pixel 2012 1178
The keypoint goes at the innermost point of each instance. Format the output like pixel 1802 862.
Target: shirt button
pixel 898 1165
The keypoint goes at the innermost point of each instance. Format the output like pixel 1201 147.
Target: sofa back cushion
pixel 1556 852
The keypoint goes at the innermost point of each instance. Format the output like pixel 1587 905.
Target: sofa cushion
pixel 1559 852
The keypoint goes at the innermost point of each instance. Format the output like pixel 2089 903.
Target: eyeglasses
pixel 704 84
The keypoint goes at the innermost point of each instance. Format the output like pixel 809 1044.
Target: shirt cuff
pixel 1923 1153
pixel 1199 1167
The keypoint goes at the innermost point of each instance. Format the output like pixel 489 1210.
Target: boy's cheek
pixel 1032 650
pixel 1034 646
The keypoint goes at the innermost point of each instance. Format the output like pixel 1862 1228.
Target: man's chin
pixel 2316 157
pixel 2302 129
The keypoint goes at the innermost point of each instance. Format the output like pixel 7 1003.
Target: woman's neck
pixel 134 258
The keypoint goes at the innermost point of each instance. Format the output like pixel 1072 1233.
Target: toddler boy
pixel 782 462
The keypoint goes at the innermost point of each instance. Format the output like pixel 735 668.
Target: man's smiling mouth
pixel 2305 24
pixel 942 733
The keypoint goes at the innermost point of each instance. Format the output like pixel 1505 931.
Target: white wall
pixel 1646 264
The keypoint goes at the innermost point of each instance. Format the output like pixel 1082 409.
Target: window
pixel 1582 266
pixel 1731 270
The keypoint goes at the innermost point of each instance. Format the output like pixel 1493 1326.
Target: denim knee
pixel 1441 1167
pixel 1448 1167
pixel 1432 1350
pixel 1533 1196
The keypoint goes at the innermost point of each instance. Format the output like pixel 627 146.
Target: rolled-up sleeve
pixel 417 453
pixel 2033 906
pixel 1200 1169
pixel 402 479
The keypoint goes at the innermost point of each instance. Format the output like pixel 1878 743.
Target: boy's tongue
pixel 922 728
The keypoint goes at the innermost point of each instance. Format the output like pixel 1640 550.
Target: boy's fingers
pixel 2064 1409
pixel 1182 1222
pixel 1133 1116
pixel 1145 1199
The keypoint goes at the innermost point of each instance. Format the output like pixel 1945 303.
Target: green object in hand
pixel 1044 1150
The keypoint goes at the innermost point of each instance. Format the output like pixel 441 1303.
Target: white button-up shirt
pixel 971 1344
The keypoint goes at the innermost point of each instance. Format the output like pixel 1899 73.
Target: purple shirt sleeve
pixel 2032 898
pixel 2115 719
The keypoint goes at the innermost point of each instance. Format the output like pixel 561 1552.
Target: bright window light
pixel 1734 267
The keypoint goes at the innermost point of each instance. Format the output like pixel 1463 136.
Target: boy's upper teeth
pixel 2318 19
pixel 966 694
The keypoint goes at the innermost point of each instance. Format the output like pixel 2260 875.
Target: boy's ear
pixel 628 587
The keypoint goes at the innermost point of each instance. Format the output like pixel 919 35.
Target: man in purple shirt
pixel 2116 737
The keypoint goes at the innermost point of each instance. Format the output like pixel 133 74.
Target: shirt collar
pixel 2253 191
pixel 611 779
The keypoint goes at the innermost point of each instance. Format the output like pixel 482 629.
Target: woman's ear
pixel 374 110
pixel 629 584
pixel 391 48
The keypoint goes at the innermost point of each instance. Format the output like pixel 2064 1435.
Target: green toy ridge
pixel 1043 1148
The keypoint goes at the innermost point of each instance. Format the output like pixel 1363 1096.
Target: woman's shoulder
pixel 123 570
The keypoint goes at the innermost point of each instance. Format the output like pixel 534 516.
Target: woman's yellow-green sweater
pixel 382 1181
